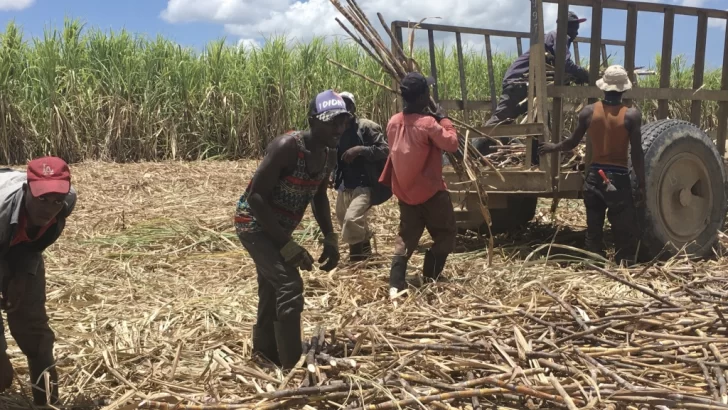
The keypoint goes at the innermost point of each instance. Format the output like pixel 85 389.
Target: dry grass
pixel 151 296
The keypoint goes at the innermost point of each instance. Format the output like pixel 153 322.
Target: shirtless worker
pixel 294 173
pixel 613 128
pixel 414 172
pixel 34 206
pixel 361 154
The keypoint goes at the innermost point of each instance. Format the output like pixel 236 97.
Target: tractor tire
pixel 519 213
pixel 685 198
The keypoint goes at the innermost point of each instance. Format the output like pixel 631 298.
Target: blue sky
pixel 196 22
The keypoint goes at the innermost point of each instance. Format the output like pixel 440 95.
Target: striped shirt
pixel 290 198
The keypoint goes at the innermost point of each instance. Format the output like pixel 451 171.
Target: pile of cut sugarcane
pixel 658 349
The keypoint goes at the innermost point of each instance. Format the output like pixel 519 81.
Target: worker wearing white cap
pixel 362 153
pixel 613 128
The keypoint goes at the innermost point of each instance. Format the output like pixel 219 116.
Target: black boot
pixel 288 340
pixel 366 249
pixel 360 251
pixel 433 267
pixel 37 366
pixel 355 253
pixel 398 273
pixel 264 343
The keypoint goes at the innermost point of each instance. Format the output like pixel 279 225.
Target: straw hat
pixel 615 79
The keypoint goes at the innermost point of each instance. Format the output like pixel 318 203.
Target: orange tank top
pixel 609 136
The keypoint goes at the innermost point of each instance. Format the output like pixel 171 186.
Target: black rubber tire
pixel 662 142
pixel 519 213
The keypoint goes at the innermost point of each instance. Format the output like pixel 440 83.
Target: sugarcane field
pixel 411 215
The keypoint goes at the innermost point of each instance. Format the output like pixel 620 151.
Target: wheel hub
pixel 684 197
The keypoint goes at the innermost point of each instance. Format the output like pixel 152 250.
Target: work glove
pixel 6 372
pixel 295 255
pixel 582 77
pixel 439 113
pixel 330 255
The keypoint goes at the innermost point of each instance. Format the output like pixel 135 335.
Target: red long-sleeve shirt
pixel 414 166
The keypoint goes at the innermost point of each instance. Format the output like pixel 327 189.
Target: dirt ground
pixel 149 285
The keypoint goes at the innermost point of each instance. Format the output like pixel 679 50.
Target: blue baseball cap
pixel 327 105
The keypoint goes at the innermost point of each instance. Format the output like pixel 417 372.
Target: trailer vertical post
pixel 491 74
pixel 631 46
pixel 433 64
pixel 463 85
pixel 558 104
pixel 537 69
pixel 696 106
pixel 666 63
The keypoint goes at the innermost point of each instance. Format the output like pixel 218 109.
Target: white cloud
pixel 716 23
pixel 248 43
pixel 15 4
pixel 221 11
pixel 301 20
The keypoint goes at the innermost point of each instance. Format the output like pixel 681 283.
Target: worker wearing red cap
pixel 34 206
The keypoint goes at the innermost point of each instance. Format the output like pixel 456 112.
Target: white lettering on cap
pixel 331 103
pixel 47 170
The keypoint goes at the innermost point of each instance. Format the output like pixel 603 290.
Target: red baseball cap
pixel 48 175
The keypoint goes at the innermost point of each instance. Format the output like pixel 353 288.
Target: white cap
pixel 348 96
pixel 615 79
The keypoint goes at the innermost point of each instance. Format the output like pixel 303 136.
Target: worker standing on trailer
pixel 613 128
pixel 34 206
pixel 362 153
pixel 414 171
pixel 294 172
pixel 515 89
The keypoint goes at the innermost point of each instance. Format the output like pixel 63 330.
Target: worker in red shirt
pixel 34 206
pixel 413 170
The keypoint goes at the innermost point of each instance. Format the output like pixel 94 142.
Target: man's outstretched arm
pixel 570 143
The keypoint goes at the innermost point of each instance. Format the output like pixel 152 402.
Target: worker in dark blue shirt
pixel 515 88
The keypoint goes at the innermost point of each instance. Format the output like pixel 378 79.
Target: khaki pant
pixel 351 211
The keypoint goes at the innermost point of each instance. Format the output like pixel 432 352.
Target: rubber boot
pixel 288 340
pixel 355 252
pixel 366 249
pixel 433 267
pixel 360 251
pixel 37 366
pixel 264 343
pixel 398 273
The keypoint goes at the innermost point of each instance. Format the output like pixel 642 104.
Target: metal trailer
pixel 685 174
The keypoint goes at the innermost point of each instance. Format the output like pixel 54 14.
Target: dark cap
pixel 327 105
pixel 416 83
pixel 573 18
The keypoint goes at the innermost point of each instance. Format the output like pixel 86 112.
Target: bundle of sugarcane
pixel 396 63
